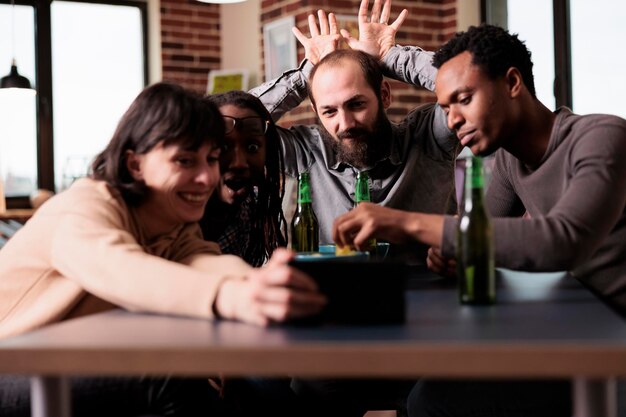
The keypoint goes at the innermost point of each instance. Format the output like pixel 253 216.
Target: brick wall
pixel 190 41
pixel 190 33
pixel 429 24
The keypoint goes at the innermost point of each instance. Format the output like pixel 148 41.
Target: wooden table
pixel 544 325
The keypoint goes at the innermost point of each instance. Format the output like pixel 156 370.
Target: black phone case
pixel 370 292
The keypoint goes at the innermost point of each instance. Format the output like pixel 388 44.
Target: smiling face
pixel 478 108
pixel 243 159
pixel 179 182
pixel 349 109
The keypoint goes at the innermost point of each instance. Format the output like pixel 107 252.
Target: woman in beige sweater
pixel 127 237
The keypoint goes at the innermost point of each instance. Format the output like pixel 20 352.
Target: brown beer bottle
pixel 474 251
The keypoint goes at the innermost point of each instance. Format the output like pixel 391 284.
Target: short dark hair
pixel 269 225
pixel 369 66
pixel 162 112
pixel 494 49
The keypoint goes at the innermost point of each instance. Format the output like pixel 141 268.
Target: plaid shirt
pixel 234 230
pixel 235 237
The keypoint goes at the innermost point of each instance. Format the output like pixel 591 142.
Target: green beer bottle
pixel 304 226
pixel 474 250
pixel 362 194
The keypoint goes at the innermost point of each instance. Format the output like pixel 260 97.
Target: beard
pixel 361 146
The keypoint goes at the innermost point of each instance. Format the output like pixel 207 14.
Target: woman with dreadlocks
pixel 245 215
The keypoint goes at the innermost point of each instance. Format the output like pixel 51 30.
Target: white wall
pixel 241 37
pixel 155 66
pixel 468 14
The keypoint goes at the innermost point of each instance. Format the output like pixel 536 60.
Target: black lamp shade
pixel 14 80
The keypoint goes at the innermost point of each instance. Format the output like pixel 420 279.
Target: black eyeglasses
pixel 253 125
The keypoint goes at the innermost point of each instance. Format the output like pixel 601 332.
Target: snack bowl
pixel 326 255
pixel 382 249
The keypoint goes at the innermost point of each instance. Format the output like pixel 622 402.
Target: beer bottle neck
pixel 474 182
pixel 474 173
pixel 304 190
pixel 362 188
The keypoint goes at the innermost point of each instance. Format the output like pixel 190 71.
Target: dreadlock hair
pixel 162 112
pixel 492 48
pixel 269 227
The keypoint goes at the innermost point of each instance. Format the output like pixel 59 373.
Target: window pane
pixel 533 21
pixel 97 68
pixel 18 126
pixel 598 61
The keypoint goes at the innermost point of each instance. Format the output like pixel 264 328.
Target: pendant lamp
pixel 14 79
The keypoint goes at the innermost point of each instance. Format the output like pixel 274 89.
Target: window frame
pixel 43 84
pixel 495 12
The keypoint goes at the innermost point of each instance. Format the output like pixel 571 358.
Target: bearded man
pixel 410 164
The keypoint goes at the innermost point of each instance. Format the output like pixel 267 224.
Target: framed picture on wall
pixel 224 80
pixel 349 23
pixel 279 47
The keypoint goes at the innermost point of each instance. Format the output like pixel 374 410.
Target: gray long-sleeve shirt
pixel 576 198
pixel 418 175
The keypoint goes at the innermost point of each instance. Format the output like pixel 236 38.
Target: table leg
pixel 50 396
pixel 594 397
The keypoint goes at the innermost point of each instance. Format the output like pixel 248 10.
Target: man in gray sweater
pixel 410 164
pixel 565 171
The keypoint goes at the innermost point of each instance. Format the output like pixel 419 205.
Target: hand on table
pixel 369 220
pixel 439 264
pixel 275 292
